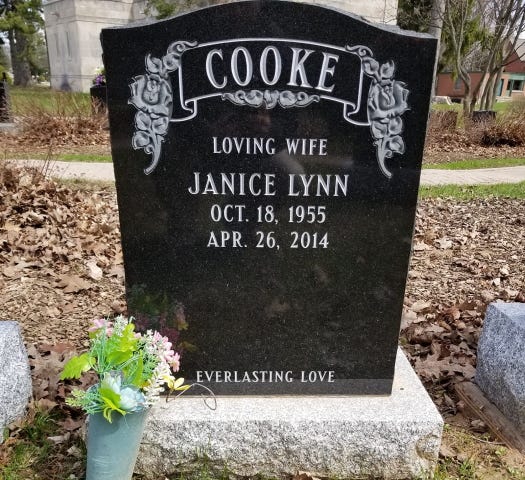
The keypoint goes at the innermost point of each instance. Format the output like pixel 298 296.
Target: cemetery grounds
pixel 61 265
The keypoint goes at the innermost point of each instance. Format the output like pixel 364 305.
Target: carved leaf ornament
pixel 152 96
pixel 270 98
pixel 387 101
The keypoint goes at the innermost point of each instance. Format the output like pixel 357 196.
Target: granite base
pixel 391 437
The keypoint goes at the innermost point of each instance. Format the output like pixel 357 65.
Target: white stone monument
pixel 73 29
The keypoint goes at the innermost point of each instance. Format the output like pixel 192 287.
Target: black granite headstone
pixel 267 158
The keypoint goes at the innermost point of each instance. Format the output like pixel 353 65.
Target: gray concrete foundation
pixel 390 437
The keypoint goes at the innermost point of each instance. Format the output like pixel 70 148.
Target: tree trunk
pixel 468 103
pixel 21 69
pixel 436 26
pixel 468 100
pixel 486 92
pixel 495 89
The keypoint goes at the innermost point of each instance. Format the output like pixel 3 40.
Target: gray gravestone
pixel 501 360
pixel 15 375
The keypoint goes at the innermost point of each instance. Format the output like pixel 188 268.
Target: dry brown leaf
pixel 420 306
pixel 11 272
pixel 443 243
pixel 56 439
pixel 62 347
pixel 420 246
pixel 446 452
pixel 72 283
pixel 70 424
pixel 453 313
pixel 430 368
pixel 117 271
pixel 407 318
pixel 45 405
pixel 94 271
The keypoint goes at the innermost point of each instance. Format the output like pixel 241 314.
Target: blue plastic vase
pixel 112 448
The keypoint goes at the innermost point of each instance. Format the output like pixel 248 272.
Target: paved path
pixel 482 176
pixel 84 170
pixel 104 171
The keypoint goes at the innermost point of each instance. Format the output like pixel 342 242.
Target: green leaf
pixel 136 378
pixel 109 396
pixel 126 342
pixel 76 366
pixel 111 401
pixel 107 414
pixel 119 357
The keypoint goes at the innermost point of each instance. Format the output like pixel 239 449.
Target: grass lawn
pixel 457 107
pixel 469 192
pixel 474 163
pixel 27 100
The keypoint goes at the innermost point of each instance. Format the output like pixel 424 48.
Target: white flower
pixel 113 381
pixel 131 399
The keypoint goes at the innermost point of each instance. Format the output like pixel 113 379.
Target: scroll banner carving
pixel 256 73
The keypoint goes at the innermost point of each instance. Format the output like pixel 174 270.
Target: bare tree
pixel 507 23
pixel 463 32
pixel 435 29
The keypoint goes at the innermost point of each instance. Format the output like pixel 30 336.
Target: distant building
pixel 513 80
pixel 511 84
pixel 73 29
pixel 73 37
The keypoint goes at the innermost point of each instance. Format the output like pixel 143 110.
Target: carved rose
pixel 386 127
pixel 254 97
pixel 387 101
pixel 395 126
pixel 386 71
pixel 151 94
pixel 140 140
pixel 160 125
pixel 394 145
pixel 271 98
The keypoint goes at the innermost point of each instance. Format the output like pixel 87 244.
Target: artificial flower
pixel 133 368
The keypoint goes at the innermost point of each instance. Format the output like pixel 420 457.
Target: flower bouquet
pixel 100 77
pixel 132 369
pixel 98 91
